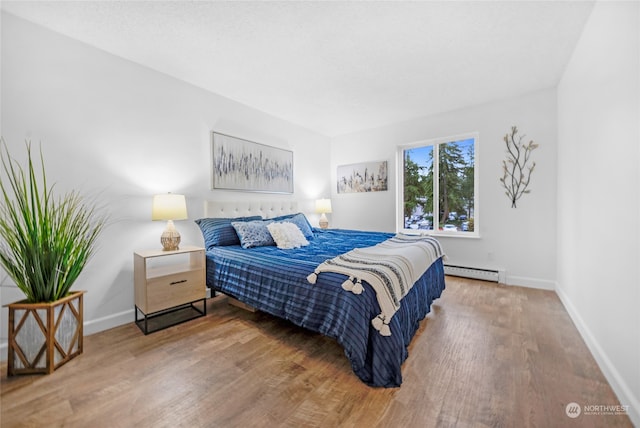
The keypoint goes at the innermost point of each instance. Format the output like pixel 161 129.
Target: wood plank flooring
pixel 486 356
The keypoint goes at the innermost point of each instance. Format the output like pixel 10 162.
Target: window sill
pixel 462 235
pixel 441 234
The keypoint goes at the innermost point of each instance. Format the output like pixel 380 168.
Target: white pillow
pixel 287 235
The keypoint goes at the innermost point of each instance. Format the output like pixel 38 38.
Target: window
pixel 438 186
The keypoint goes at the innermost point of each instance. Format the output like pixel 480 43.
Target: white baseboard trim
pixel 110 321
pixel 523 281
pixel 617 382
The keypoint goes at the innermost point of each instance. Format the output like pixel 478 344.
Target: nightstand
pixel 169 287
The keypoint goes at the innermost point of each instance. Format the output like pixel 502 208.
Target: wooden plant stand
pixel 44 336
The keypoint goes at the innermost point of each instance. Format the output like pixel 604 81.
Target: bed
pixel 276 281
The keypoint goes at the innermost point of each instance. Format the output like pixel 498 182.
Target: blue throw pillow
pixel 219 232
pixel 253 233
pixel 299 220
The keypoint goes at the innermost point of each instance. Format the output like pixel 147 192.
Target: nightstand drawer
pixel 174 290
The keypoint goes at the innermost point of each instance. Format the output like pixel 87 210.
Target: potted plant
pixel 45 242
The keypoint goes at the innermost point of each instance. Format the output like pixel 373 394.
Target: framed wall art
pixel 362 177
pixel 244 165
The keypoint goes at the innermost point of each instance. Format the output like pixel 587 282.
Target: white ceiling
pixel 334 67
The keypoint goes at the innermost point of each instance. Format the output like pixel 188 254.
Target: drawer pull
pixel 177 282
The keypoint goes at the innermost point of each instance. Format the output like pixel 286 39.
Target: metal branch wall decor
pixel 516 171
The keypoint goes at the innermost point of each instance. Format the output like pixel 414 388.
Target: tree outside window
pixel 439 185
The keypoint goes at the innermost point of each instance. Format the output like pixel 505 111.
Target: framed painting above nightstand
pixel 238 164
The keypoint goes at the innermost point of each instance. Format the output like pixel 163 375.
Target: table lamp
pixel 323 206
pixel 169 207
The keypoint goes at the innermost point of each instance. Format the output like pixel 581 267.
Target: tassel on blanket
pixel 379 324
pixel 313 276
pixel 353 284
pixel 385 330
pixel 348 284
pixel 357 287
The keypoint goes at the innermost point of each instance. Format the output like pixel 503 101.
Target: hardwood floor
pixel 486 356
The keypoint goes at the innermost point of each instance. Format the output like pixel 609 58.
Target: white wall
pixel 520 240
pixel 112 128
pixel 599 196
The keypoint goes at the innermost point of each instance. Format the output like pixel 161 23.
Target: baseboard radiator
pixel 492 275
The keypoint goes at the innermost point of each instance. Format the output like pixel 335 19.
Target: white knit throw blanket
pixel 390 267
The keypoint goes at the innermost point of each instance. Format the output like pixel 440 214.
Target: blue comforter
pixel 275 281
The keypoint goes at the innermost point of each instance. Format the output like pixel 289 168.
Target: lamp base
pixel 324 222
pixel 170 238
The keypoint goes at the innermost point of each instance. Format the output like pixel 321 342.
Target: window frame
pixel 435 142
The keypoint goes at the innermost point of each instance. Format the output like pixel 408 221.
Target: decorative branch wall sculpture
pixel 516 173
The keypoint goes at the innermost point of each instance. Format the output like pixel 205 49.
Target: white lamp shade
pixel 323 206
pixel 169 207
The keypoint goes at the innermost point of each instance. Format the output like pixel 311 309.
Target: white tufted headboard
pixel 266 208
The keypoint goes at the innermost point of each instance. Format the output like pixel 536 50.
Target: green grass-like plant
pixel 45 240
